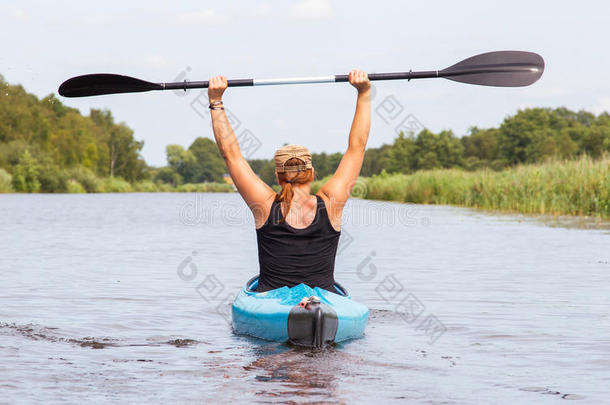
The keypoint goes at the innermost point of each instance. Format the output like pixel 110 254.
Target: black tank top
pixel 289 256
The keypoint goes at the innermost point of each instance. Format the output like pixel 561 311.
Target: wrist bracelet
pixel 216 108
pixel 215 103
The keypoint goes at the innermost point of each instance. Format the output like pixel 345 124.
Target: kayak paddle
pixel 501 68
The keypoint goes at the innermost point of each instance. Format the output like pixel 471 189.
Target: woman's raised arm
pixel 253 190
pixel 337 190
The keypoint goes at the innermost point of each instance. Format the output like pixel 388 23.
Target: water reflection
pixel 293 374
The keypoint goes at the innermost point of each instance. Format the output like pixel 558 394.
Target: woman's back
pixel 289 256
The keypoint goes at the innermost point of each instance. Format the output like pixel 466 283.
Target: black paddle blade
pixel 104 83
pixel 502 68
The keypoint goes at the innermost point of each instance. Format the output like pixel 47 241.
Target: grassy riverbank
pixel 576 187
pixel 80 181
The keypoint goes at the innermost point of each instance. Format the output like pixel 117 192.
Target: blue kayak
pixel 305 316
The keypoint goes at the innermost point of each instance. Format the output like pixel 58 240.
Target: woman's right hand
pixel 216 87
pixel 360 80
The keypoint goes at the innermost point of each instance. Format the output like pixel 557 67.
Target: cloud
pixel 13 13
pixel 603 104
pixel 303 10
pixel 100 61
pixel 207 16
pixel 198 17
pixel 156 61
pixel 263 10
pixel 105 19
pixel 311 10
pixel 18 14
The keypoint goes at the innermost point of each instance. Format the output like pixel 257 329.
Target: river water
pixel 126 298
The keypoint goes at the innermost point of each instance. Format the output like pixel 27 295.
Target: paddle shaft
pixel 426 74
pixel 297 80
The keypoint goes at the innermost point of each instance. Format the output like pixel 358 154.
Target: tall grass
pixel 577 187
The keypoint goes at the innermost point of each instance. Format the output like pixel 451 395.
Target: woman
pixel 297 233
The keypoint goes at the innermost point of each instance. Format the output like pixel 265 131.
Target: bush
pixel 472 163
pixel 74 187
pixel 5 182
pixel 165 188
pixel 115 185
pixel 52 179
pixel 205 188
pixel 86 178
pixel 499 164
pixel 145 186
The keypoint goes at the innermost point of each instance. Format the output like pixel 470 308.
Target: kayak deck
pixel 283 314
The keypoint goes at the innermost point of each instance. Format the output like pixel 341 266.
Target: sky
pixel 45 43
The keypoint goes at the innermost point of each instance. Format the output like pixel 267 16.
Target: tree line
pixel 530 136
pixel 46 146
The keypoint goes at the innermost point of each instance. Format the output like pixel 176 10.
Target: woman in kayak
pixel 297 233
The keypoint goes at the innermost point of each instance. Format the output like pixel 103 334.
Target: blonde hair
pixel 287 179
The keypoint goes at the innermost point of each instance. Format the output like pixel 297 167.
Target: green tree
pixel 265 169
pixel 566 147
pixel 517 133
pixel 125 160
pixel 401 154
pixel 168 175
pixel 375 160
pixel 592 141
pixel 209 164
pixel 182 162
pixel 541 145
pixel 25 174
pixel 449 149
pixel 481 143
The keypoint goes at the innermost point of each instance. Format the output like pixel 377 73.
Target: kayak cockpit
pixel 252 284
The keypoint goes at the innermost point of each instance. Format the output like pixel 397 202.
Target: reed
pixel 556 187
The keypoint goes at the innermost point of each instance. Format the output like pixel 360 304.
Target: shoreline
pixel 576 189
